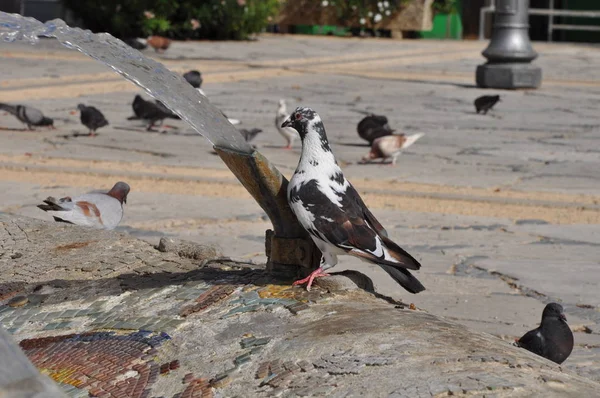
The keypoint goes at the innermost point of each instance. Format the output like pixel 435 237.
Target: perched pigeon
pixel 158 43
pixel 250 134
pixel 485 103
pixel 98 210
pixel 150 111
pixel 333 213
pixel 372 127
pixel 287 132
pixel 138 44
pixel 553 339
pixel 194 78
pixel 390 146
pixel 28 115
pixel 92 118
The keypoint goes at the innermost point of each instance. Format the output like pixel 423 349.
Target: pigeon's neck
pixel 316 151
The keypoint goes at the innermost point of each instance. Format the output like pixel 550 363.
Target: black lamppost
pixel 509 53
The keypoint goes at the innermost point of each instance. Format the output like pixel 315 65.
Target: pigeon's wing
pixel 348 225
pixel 532 341
pixel 90 210
pixel 32 115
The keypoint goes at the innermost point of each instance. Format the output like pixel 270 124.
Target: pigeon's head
pixel 554 310
pixel 300 119
pixel 81 107
pixel 119 192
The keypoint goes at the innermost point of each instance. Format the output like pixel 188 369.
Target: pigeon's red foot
pixel 287 147
pixel 315 274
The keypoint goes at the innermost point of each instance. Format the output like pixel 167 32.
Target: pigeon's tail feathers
pixel 9 108
pixel 391 254
pixel 51 204
pixel 404 278
pixel 58 219
pixel 411 139
pixel 133 118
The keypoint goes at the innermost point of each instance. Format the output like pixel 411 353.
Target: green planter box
pixel 445 26
pixel 321 30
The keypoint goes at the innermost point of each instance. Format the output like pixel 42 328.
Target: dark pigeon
pixel 553 339
pixel 167 110
pixel 92 118
pixel 372 127
pixel 194 78
pixel 135 43
pixel 28 115
pixel 150 112
pixel 485 103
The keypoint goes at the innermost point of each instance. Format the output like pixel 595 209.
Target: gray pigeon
pixel 97 210
pixel 553 339
pixel 28 115
pixel 250 134
pixel 333 213
pixel 92 118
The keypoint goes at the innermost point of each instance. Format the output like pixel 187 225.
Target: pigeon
pixel 138 44
pixel 250 134
pixel 485 103
pixel 390 146
pixel 158 43
pixel 287 132
pixel 372 127
pixel 194 78
pixel 167 110
pixel 150 111
pixel 92 118
pixel 553 339
pixel 28 115
pixel 97 210
pixel 333 213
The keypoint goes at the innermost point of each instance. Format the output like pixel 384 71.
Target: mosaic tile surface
pixel 117 345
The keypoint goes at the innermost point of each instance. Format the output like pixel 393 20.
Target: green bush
pixel 199 19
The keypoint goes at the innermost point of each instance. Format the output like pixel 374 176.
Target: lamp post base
pixel 509 76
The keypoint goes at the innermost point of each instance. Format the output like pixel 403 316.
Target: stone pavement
pixel 502 210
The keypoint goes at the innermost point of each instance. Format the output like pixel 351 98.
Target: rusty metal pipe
pixel 290 250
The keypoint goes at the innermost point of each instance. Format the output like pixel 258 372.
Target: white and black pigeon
pixel 287 132
pixel 92 118
pixel 372 127
pixel 553 339
pixel 390 146
pixel 97 210
pixel 333 213
pixel 29 115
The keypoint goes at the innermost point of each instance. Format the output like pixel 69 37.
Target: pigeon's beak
pixel 287 123
pixel 563 317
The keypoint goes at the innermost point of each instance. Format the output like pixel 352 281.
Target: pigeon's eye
pixel 298 116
